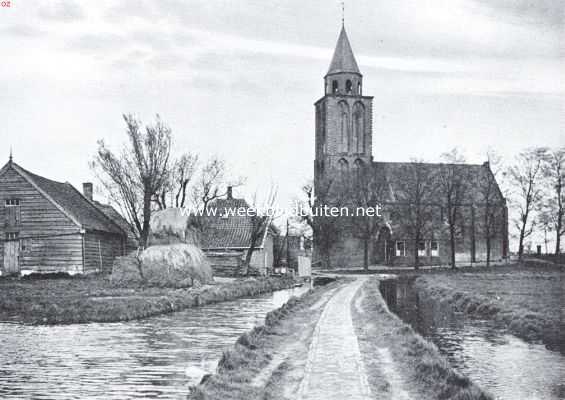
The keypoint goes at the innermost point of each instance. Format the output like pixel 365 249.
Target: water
pixel 507 367
pixel 153 358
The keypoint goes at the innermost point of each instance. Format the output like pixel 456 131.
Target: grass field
pixel 81 300
pixel 529 301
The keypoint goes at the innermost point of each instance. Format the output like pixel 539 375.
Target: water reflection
pixel 506 366
pixel 154 358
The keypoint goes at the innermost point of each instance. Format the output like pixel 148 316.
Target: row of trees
pixel 420 197
pixel 535 188
pixel 449 195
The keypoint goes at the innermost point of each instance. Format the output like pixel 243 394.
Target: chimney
pixel 87 190
pixel 230 194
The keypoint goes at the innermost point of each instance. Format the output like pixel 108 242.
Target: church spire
pixel 343 59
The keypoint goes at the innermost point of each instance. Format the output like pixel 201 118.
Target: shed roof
pixel 70 201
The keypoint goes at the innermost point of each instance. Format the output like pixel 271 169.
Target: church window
pixel 400 248
pixel 344 127
pixel 343 167
pixel 358 168
pixel 334 87
pixel 359 88
pixel 348 87
pixel 434 248
pixel 359 163
pixel 359 128
pixel 421 248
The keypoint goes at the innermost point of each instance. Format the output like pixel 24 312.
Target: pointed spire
pixel 343 59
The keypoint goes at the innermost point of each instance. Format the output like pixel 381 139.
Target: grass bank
pixel 94 299
pixel 399 363
pixel 527 301
pixel 268 361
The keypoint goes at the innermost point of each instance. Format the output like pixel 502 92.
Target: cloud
pixel 62 10
pixel 549 13
pixel 21 31
pixel 98 42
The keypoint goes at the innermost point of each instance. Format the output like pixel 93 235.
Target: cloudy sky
pixel 239 78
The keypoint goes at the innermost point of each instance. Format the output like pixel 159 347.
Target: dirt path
pixel 334 369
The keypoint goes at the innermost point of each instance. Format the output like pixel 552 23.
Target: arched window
pixel 358 168
pixel 348 87
pixel 359 88
pixel 344 126
pixel 343 168
pixel 334 87
pixel 359 128
pixel 359 164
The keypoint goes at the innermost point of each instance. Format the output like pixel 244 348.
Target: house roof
pixel 70 201
pixel 343 59
pixel 228 231
pixel 115 216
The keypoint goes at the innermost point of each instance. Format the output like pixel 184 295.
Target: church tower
pixel 343 116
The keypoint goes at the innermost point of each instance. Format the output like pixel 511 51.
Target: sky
pixel 238 79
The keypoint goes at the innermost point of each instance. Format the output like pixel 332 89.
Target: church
pixel 433 213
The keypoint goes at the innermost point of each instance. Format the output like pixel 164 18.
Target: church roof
pixel 343 59
pixel 399 175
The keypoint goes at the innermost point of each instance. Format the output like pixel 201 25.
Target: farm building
pixel 48 226
pixel 227 238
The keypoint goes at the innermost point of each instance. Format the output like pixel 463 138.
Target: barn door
pixel 12 253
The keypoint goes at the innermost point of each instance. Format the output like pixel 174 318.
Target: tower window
pixel 359 88
pixel 348 87
pixel 334 87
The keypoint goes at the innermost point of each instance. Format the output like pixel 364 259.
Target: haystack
pixel 174 265
pixel 173 225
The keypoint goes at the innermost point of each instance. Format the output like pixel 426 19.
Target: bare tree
pixel 369 190
pixel 326 229
pixel 132 177
pixel 182 174
pixel 553 206
pixel 414 202
pixel 525 176
pixel 213 182
pixel 452 178
pixel 306 207
pixel 260 220
pixel 490 199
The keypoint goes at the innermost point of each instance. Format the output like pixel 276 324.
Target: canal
pixel 154 358
pixel 502 364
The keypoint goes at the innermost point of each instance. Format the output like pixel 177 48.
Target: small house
pixel 48 226
pixel 227 236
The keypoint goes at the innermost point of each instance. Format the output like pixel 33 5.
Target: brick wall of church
pixel 347 251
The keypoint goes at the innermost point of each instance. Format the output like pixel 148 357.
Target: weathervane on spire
pixel 11 157
pixel 342 13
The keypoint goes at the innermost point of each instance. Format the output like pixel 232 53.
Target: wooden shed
pixel 48 226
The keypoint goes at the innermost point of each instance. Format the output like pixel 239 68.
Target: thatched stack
pixel 173 225
pixel 175 265
pixel 173 257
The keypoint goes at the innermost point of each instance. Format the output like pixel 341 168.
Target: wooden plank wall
pixel 55 241
pixel 100 250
